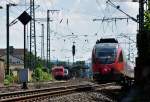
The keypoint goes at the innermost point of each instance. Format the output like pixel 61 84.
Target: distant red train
pixel 59 72
pixel 109 63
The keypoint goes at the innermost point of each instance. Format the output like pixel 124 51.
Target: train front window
pixel 58 70
pixel 106 55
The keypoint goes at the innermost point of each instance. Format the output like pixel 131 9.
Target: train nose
pixel 105 70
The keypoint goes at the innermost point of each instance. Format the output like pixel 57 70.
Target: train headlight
pixel 105 69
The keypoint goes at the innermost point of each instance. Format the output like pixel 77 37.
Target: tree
pixel 147 20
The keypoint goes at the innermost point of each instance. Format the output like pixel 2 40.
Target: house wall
pixel 15 65
pixel 2 71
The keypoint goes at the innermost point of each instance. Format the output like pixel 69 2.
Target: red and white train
pixel 109 63
pixel 59 72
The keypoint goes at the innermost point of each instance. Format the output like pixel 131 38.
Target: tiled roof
pixel 16 52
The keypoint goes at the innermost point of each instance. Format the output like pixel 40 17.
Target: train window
pixel 59 70
pixel 120 57
pixel 106 55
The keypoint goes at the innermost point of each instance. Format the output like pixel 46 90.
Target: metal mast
pixel 48 38
pixel 7 33
pixel 32 35
pixel 141 46
pixel 42 42
pixel 48 34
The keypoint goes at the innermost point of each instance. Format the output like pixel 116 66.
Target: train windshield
pixel 59 70
pixel 106 55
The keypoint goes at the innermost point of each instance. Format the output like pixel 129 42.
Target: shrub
pixel 9 79
pixel 46 76
pixel 39 74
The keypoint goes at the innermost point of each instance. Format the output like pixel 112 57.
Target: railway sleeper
pixel 84 88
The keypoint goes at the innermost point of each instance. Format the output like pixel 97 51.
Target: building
pixel 14 62
pixel 15 59
pixel 19 53
pixel 2 70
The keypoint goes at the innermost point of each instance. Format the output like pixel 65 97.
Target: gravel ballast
pixel 81 97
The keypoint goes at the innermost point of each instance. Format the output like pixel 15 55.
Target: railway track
pixel 36 85
pixel 47 93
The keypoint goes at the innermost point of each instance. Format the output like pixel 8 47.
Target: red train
pixel 109 63
pixel 59 72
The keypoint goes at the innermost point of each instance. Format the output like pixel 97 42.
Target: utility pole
pixel 7 36
pixel 48 38
pixel 42 41
pixel 32 35
pixel 130 41
pixel 141 46
pixel 129 55
pixel 73 51
pixel 149 5
pixel 68 60
pixel 25 63
pixel 48 34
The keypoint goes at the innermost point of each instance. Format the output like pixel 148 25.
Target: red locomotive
pixel 109 63
pixel 59 72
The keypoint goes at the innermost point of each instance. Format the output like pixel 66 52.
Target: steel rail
pixel 32 84
pixel 45 93
pixel 13 94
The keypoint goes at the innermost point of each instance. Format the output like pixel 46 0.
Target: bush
pixel 40 75
pixel 9 79
pixel 46 76
pixel 6 82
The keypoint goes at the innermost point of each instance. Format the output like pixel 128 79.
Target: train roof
pixel 107 40
pixel 57 67
pixel 107 45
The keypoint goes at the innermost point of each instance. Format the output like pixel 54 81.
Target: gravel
pixel 81 97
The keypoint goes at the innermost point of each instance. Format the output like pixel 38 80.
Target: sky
pixel 73 23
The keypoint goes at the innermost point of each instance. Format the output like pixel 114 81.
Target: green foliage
pixel 145 45
pixel 80 63
pixel 77 68
pixel 46 76
pixel 40 74
pixel 6 82
pixel 147 21
pixel 9 79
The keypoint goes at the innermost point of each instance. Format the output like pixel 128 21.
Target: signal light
pixel 73 50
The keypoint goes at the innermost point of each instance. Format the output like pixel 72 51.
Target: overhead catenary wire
pixel 118 7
